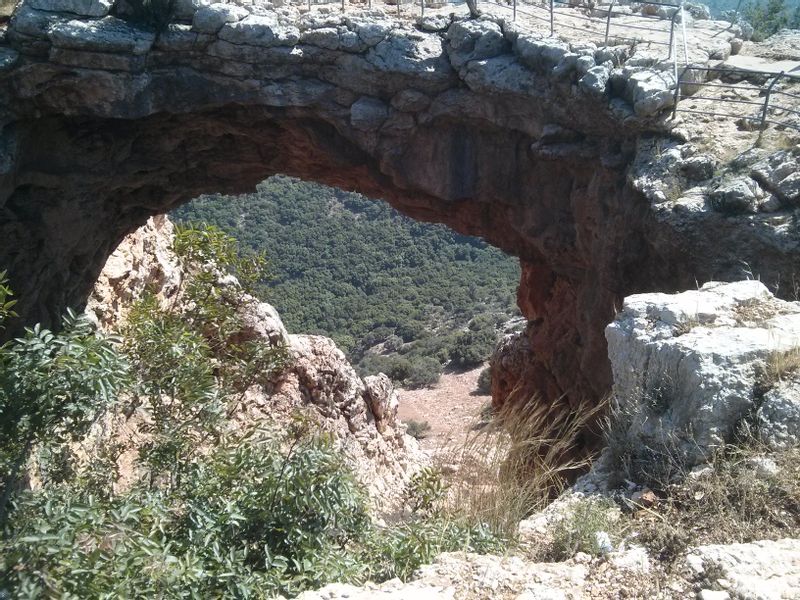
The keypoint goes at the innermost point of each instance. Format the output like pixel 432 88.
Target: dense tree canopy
pixel 395 294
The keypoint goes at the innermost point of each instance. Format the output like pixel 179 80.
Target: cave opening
pixel 84 183
pixel 416 301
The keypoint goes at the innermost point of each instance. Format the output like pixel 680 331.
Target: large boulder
pixel 689 368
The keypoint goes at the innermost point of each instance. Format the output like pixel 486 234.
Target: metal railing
pixel 560 16
pixel 767 108
pixel 551 15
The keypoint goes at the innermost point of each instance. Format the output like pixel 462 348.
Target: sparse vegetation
pixel 517 462
pixel 734 501
pixel 418 429
pixel 780 366
pixel 582 529
pixel 485 381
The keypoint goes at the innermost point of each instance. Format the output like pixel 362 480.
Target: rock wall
pixel 539 145
pixel 360 414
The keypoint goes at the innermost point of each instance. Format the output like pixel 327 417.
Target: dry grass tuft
pixel 780 366
pixel 734 501
pixel 518 461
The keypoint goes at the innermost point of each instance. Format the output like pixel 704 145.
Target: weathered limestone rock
pixel 211 18
pixel 764 570
pixel 779 415
pixel 738 195
pixel 689 367
pixel 383 400
pixel 318 377
pixel 360 415
pixel 142 262
pixel 650 92
pixel 780 174
pixel 106 35
pixel 185 9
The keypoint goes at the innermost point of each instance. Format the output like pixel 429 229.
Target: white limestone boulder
pixel 211 18
pixel 104 35
pixel 689 367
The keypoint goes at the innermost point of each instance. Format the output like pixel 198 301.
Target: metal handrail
pixel 604 22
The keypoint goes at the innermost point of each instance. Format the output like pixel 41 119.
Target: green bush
pixel 485 381
pixel 400 550
pixel 52 388
pixel 770 16
pixel 423 372
pixel 250 520
pixel 473 347
pixel 418 429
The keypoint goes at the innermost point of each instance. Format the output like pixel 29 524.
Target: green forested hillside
pixel 766 16
pixel 354 269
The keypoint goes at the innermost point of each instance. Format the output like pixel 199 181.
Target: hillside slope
pixel 357 271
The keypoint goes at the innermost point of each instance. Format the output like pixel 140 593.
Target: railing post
pixel 398 7
pixel 766 103
pixel 514 14
pixel 309 5
pixel 422 9
pixel 369 4
pixel 683 29
pixel 552 18
pixel 671 35
pixel 608 21
pixel 342 5
pixel 677 93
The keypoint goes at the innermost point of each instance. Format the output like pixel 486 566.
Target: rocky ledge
pixel 318 381
pixel 559 152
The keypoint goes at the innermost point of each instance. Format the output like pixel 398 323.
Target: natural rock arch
pixel 472 124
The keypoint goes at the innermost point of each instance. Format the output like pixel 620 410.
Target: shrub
pixel 485 381
pixel 52 388
pixel 192 370
pixel 400 550
pixel 418 429
pixel 251 520
pixel 768 17
pixel 423 372
pixel 473 347
pixel 425 491
pixel 577 530
pixel 6 305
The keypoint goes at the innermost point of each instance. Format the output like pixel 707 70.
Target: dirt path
pixel 450 407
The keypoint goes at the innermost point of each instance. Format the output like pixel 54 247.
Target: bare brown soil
pixel 451 407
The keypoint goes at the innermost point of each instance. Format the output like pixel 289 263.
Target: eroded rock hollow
pixel 533 144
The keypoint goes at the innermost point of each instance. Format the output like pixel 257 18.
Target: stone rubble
pixel 759 570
